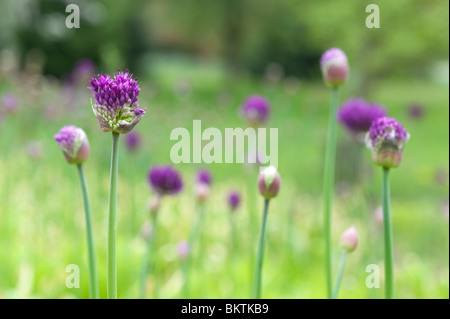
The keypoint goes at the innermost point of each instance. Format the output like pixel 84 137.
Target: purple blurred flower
pixel 84 68
pixel 204 177
pixel 116 102
pixel 10 102
pixel 165 180
pixel 415 110
pixel 386 139
pixel 74 143
pixel 334 66
pixel 234 199
pixel 256 110
pixel 183 249
pixel 357 115
pixel 132 141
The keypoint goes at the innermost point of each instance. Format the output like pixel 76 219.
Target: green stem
pixel 387 232
pixel 93 284
pixel 260 254
pixel 340 274
pixel 328 184
pixel 147 258
pixel 112 221
pixel 192 239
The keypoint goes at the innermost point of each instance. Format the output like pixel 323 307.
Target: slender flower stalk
pixel 93 283
pixel 348 243
pixel 75 146
pixel 387 233
pixel 335 70
pixel 269 183
pixel 386 139
pixel 117 110
pixel 112 221
pixel 146 263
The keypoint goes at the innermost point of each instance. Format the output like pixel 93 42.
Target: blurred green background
pixel 201 59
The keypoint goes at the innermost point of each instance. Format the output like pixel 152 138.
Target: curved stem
pixel 340 274
pixel 328 184
pixel 112 221
pixel 387 232
pixel 147 258
pixel 93 284
pixel 260 255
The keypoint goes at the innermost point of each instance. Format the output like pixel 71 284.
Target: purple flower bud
pixel 349 240
pixel 116 102
pixel 357 115
pixel 204 177
pixel 334 66
pixel 132 141
pixel 269 182
pixel 10 103
pixel 256 110
pixel 183 249
pixel 165 180
pixel 74 143
pixel 234 199
pixel 386 139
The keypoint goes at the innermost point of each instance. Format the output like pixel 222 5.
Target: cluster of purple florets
pixel 256 110
pixel 357 114
pixel 165 180
pixel 387 129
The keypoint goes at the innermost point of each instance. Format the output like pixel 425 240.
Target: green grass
pixel 42 220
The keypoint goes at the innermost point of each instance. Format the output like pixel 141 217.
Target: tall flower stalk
pixel 386 139
pixel 117 110
pixel 164 180
pixel 75 146
pixel 335 70
pixel 269 183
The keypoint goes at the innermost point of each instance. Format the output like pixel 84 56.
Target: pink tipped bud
pixel 74 143
pixel 202 191
pixel 269 182
pixel 334 66
pixel 378 216
pixel 183 249
pixel 349 240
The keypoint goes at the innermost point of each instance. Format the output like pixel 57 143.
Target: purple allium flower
pixel 234 199
pixel 204 177
pixel 165 180
pixel 349 240
pixel 116 102
pixel 256 110
pixel 269 182
pixel 415 110
pixel 183 249
pixel 10 102
pixel 83 68
pixel 334 66
pixel 74 143
pixel 357 115
pixel 386 139
pixel 132 141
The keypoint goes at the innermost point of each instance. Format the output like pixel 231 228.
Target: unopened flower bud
pixel 154 204
pixel 202 191
pixel 349 240
pixel 334 66
pixel 74 143
pixel 386 139
pixel 269 182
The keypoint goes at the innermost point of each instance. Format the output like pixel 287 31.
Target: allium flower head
pixel 357 115
pixel 269 182
pixel 234 199
pixel 74 143
pixel 116 102
pixel 204 177
pixel 256 110
pixel 334 66
pixel 132 141
pixel 165 180
pixel 386 139
pixel 349 240
pixel 10 102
